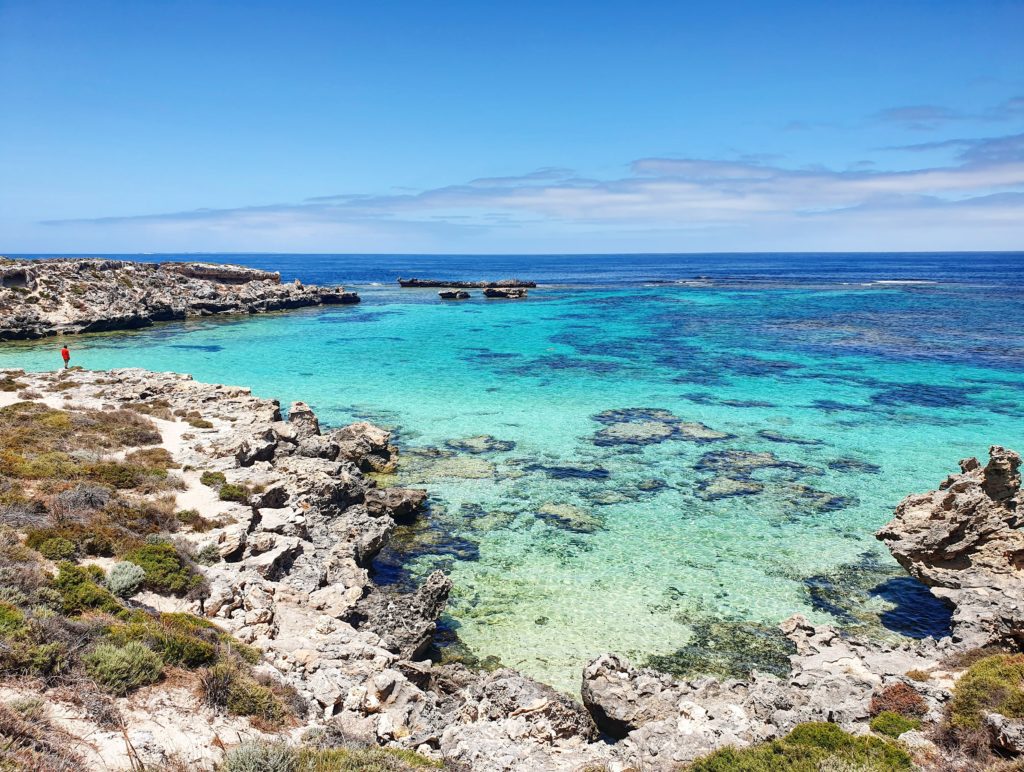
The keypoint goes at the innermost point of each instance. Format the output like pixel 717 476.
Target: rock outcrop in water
pixel 39 298
pixel 965 541
pixel 291 575
pixel 505 293
pixel 465 284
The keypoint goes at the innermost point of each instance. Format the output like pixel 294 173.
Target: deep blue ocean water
pixel 607 518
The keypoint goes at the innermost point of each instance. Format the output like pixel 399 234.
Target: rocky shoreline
pixel 62 296
pixel 290 573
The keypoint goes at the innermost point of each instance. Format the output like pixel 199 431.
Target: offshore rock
pixel 965 542
pixel 69 296
pixel 465 284
pixel 453 295
pixel 508 293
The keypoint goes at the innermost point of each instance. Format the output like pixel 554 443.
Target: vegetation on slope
pixel 65 500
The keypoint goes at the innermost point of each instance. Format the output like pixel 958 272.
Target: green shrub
pixel 208 555
pixel 96 538
pixel 230 492
pixel 78 591
pixel 167 571
pixel 122 669
pixel 808 748
pixel 893 724
pixel 125 579
pixel 115 474
pixel 152 458
pixel 195 521
pixel 177 644
pixel 12 621
pixel 261 757
pixel 213 479
pixel 370 759
pixel 225 686
pixel 991 685
pixel 57 548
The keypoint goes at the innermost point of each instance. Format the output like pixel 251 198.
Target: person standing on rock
pixel 66 356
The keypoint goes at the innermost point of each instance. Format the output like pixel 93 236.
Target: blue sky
pixel 510 127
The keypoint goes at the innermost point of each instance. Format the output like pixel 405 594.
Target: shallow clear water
pixel 863 392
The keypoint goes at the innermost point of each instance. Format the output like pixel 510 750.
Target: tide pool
pixel 667 458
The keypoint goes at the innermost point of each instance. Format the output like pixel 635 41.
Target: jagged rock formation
pixel 965 541
pixel 453 295
pixel 68 296
pixel 465 284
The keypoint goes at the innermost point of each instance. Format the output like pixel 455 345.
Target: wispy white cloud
pixel 929 117
pixel 984 188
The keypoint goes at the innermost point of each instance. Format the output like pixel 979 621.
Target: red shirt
pixel 66 354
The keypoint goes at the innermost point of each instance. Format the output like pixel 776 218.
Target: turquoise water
pixel 565 542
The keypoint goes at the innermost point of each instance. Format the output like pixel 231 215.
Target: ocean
pixel 679 451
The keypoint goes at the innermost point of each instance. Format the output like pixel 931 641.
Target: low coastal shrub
pixel 898 698
pixel 152 458
pixel 122 669
pixel 125 579
pixel 196 521
pixel 810 748
pixel 230 492
pixel 918 675
pixel 991 685
pixel 180 639
pixel 78 589
pixel 57 548
pixel 227 687
pixel 369 759
pixel 97 538
pixel 7 383
pixel 213 479
pixel 167 570
pixel 28 741
pixel 194 419
pixel 280 757
pixel 261 757
pixel 893 724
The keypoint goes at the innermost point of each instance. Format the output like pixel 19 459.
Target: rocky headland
pixel 271 524
pixel 63 296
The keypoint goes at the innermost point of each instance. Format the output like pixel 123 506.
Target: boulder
pixel 302 417
pixel 367 446
pixel 398 503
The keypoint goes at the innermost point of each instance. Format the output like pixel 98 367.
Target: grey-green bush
pixel 261 757
pixel 125 579
pixel 122 669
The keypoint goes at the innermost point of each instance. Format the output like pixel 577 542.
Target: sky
pixel 516 127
